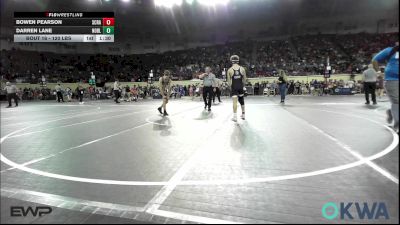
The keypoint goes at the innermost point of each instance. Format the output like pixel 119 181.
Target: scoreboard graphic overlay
pixel 64 26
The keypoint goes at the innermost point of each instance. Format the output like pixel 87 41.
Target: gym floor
pixel 102 162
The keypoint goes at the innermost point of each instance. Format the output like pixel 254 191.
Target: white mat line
pixel 349 149
pixel 74 124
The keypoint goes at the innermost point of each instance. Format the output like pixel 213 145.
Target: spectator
pixel 391 55
pixel 282 81
pixel 59 92
pixel 69 93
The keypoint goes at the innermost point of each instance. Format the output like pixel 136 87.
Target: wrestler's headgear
pixel 167 73
pixel 234 59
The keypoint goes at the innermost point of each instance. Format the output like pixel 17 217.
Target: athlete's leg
pixel 162 106
pixel 164 103
pixel 234 101
pixel 241 101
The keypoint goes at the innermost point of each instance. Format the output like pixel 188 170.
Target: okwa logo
pixel 363 210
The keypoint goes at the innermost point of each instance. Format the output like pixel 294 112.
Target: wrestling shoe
pixel 234 118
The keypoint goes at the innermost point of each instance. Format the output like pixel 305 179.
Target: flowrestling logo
pixel 374 211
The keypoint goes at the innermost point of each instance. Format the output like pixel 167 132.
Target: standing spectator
pixel 303 88
pixel 324 87
pixel 92 92
pixel 59 92
pixel 282 81
pixel 290 88
pixel 98 93
pixel 134 93
pixel 307 88
pixel 11 90
pixel 369 77
pixel 391 55
pixel 69 93
pixel 145 92
pixel 267 89
pixel 191 88
pixel 116 90
pixel 80 92
pixel 297 88
pixel 274 87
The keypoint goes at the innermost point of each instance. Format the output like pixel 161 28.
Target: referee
pixel 11 90
pixel 209 87
pixel 370 76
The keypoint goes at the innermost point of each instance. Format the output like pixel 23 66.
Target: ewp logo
pixel 378 210
pixel 18 211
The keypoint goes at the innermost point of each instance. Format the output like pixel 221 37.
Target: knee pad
pixel 241 100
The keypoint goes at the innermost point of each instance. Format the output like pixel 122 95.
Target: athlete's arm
pixel 161 87
pixel 244 79
pixel 168 89
pixel 229 76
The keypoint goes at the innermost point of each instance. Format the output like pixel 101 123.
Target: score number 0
pixel 108 25
pixel 108 21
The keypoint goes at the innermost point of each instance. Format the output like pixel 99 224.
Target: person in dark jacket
pixel 282 82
